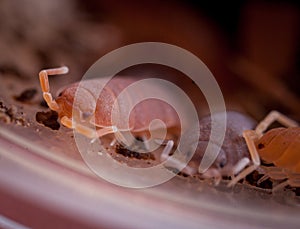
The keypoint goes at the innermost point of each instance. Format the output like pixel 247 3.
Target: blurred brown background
pixel 251 47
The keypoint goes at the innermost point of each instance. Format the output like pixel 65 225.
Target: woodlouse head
pixel 80 101
pixel 217 169
pixel 233 147
pixel 65 102
pixel 220 166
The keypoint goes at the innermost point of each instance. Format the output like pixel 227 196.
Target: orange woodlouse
pixel 97 110
pixel 280 146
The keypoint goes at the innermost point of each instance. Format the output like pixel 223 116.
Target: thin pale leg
pixel 293 181
pixel 121 138
pixel 106 130
pixel 113 142
pixel 263 178
pixel 166 152
pixel 146 143
pixel 89 132
pixel 250 137
pixel 133 144
pixel 276 175
pixel 44 81
pixel 217 180
pixel 113 129
pixel 242 175
pixel 168 148
pixel 280 186
pixel 272 117
pixel 174 162
pixel 160 141
pixel 240 165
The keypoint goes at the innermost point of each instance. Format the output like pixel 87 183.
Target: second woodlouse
pixel 233 156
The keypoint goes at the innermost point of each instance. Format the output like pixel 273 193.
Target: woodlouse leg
pixel 280 186
pixel 274 173
pixel 160 141
pixel 168 148
pixel 79 128
pixel 217 180
pixel 106 130
pixel 250 136
pixel 175 162
pixel 43 76
pixel 240 165
pixel 89 132
pixel 120 137
pixel 166 152
pixel 113 142
pixel 146 143
pixel 293 180
pixel 262 179
pixel 272 117
pixel 212 173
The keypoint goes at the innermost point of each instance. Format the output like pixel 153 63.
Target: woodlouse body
pixel 281 146
pixel 234 155
pixel 101 109
pixel 278 146
pixel 96 109
pixel 243 148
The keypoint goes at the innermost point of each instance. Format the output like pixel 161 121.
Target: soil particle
pixel 48 119
pixel 131 154
pixel 11 114
pixel 27 95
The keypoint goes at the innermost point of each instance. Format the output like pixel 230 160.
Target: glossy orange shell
pixel 140 117
pixel 281 146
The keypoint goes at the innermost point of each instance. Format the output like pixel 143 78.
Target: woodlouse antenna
pixel 272 117
pixel 44 81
